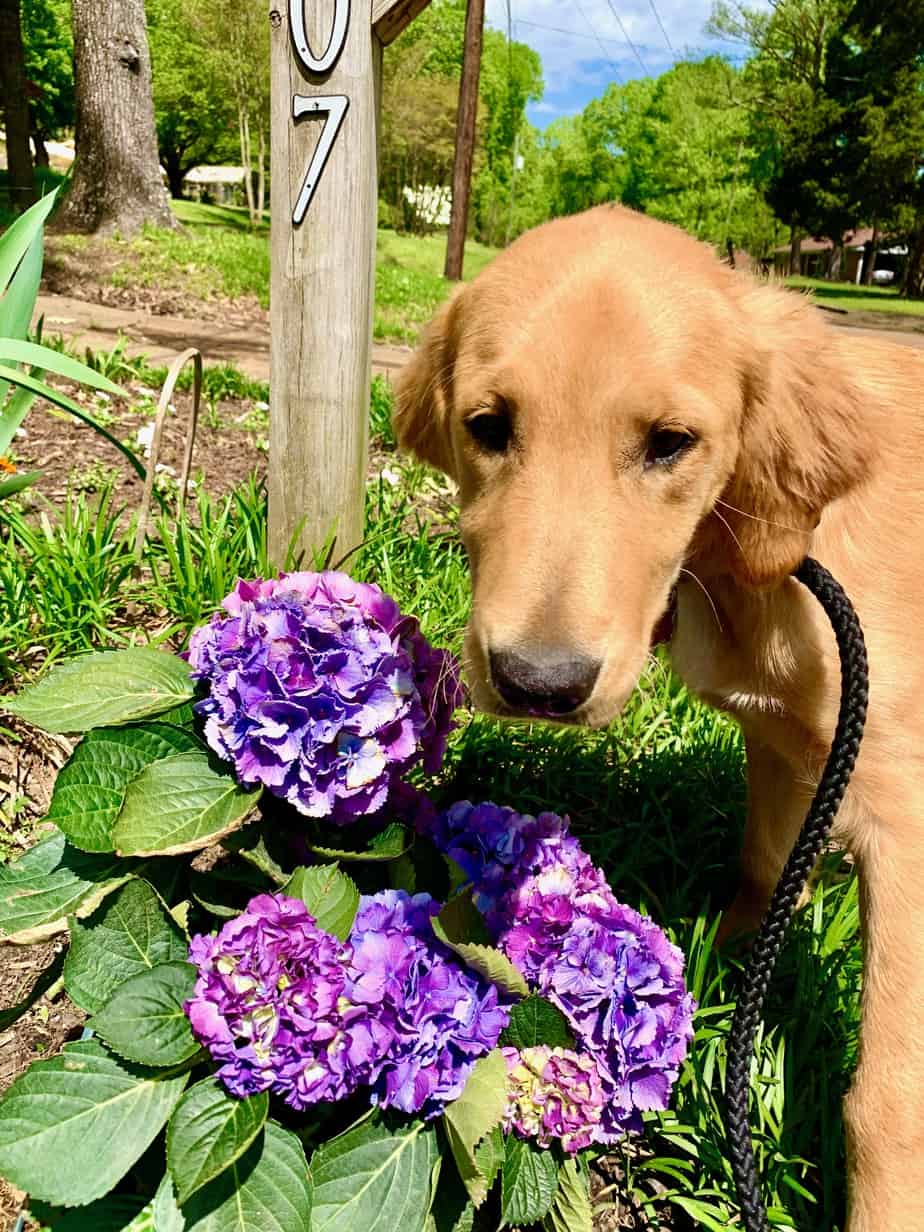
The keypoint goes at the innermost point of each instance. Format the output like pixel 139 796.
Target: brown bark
pixel 117 185
pixel 870 253
pixel 14 101
pixel 913 281
pixel 465 139
pixel 795 250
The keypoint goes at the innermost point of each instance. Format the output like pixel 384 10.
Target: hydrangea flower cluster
pixel 553 1095
pixel 321 690
pixel 284 1006
pixel 613 973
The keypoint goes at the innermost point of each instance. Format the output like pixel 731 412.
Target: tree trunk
pixel 117 184
pixel 836 263
pixel 243 124
pixel 15 103
pixel 795 250
pixel 465 139
pixel 41 152
pixel 870 252
pixel 261 177
pixel 176 172
pixel 913 281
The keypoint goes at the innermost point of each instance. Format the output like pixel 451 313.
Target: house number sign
pixel 333 107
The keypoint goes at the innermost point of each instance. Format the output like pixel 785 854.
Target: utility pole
pixel 465 139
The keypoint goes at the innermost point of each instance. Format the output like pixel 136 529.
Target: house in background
pixel 215 185
pixel 818 254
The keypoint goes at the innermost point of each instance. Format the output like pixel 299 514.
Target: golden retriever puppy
pixel 627 418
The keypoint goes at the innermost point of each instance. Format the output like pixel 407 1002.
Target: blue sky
pixel 583 48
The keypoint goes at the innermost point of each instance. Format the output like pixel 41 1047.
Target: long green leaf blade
pixel 19 236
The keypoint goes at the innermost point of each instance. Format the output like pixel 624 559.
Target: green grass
pixel 658 798
pixel 859 299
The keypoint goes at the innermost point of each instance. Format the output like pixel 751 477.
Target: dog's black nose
pixel 546 683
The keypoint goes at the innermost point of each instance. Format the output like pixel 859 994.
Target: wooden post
pixel 326 69
pixel 465 139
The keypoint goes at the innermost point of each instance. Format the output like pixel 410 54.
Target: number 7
pixel 334 106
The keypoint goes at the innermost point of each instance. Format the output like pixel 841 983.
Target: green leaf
pixel 330 895
pixel 71 1127
pixel 529 1180
pixel 167 1214
pixel 571 1210
pixel 128 934
pixel 390 844
pixel 17 302
pixel 266 1190
pixel 144 1020
pixel 90 789
pixel 52 881
pixel 105 689
pixel 455 926
pixel 490 1154
pixel 41 986
pixel 114 1213
pixel 12 414
pixel 21 352
pixel 452 1210
pixel 208 1131
pixel 535 1021
pixel 374 1179
pixel 16 240
pixel 18 483
pixel 477 1111
pixel 181 803
pixel 15 376
pixel 250 844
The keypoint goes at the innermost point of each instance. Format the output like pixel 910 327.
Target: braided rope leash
pixel 815 829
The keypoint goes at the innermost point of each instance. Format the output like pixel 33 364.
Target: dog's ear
pixel 424 391
pixel 805 439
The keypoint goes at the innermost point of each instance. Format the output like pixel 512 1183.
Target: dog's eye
pixel 491 429
pixel 666 445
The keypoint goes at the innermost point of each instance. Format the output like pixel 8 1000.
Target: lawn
pixel 858 299
pixel 657 797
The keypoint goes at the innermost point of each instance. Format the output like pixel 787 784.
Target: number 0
pixel 310 62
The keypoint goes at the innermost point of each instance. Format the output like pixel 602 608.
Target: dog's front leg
pixel 885 1108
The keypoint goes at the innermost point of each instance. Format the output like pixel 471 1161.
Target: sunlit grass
pixel 853 298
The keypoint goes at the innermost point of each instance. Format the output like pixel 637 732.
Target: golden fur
pixel 590 330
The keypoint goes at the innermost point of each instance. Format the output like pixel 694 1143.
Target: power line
pixel 606 54
pixel 661 24
pixel 625 35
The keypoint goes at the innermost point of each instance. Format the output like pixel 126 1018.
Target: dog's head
pixel 615 404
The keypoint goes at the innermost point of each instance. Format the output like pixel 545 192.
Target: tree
pixel 194 110
pixel 49 47
pixel 117 184
pixel 15 106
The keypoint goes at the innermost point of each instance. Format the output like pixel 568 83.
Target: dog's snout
pixel 543 681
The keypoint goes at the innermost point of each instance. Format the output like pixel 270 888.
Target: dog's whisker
pixel 753 517
pixel 701 584
pixel 727 526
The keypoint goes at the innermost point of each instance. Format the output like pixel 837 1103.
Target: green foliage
pixel 128 934
pixel 471 1118
pixel 208 1131
pixel 330 895
pixel 373 1178
pixel 49 48
pixel 571 1210
pixel 453 926
pixel 105 689
pixel 144 1021
pixel 71 1127
pixel 529 1181
pixel 536 1021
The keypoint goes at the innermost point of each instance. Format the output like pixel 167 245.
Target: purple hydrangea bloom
pixel 272 1006
pixel 612 972
pixel 441 1016
pixel 554 1094
pixel 321 690
pixel 283 1006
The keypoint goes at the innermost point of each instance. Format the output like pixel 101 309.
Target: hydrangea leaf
pixel 52 881
pixel 90 789
pixel 114 1213
pixel 374 1179
pixel 571 1210
pixel 529 1181
pixel 207 1132
pixel 456 925
pixel 470 1118
pixel 452 1209
pixel 266 1190
pixel 535 1021
pixel 105 689
pixel 144 1020
pixel 129 933
pixel 390 844
pixel 181 803
pixel 167 1215
pixel 489 1155
pixel 329 894
pixel 72 1126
